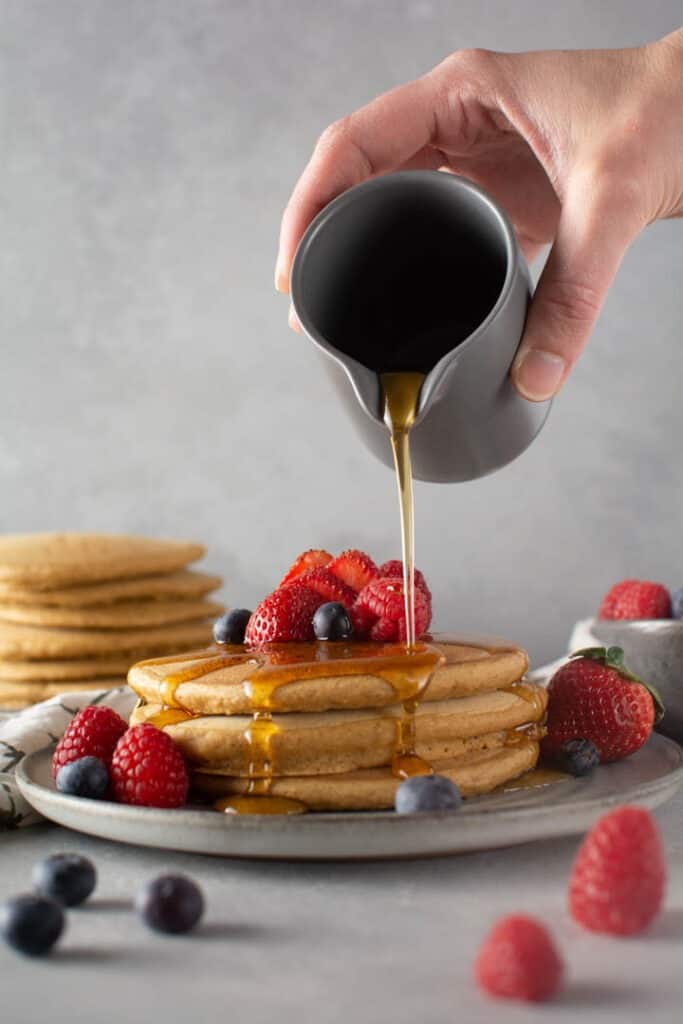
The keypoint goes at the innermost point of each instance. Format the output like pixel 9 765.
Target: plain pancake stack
pixel 335 718
pixel 76 610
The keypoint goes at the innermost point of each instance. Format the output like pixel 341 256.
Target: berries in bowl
pixel 645 619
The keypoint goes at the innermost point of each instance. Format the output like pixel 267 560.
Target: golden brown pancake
pixel 47 560
pixel 467 669
pixel 183 584
pixel 124 615
pixel 15 695
pixel 315 743
pixel 26 643
pixel 474 772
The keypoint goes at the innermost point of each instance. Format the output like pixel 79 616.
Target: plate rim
pixel 102 809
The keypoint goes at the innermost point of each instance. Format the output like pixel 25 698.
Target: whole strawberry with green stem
pixel 595 697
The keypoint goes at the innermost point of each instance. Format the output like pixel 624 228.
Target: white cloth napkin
pixel 37 727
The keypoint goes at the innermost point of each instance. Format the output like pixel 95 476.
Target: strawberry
pixel 93 732
pixel 395 568
pixel 354 568
pixel 595 697
pixel 308 560
pixel 636 599
pixel 329 586
pixel 286 614
pixel 383 600
pixel 147 769
pixel 619 875
pixel 518 960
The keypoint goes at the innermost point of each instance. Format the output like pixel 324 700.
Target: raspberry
pixel 636 599
pixel 383 601
pixel 518 960
pixel 354 568
pixel 362 620
pixel 286 614
pixel 329 586
pixel 308 560
pixel 395 568
pixel 148 769
pixel 93 732
pixel 619 875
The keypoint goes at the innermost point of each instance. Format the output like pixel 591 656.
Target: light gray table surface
pixel 370 943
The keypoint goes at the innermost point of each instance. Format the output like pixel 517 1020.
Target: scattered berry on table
pixel 87 777
pixel 148 769
pixel 286 614
pixel 93 731
pixel 331 622
pixel 308 560
pixel 328 586
pixel 66 878
pixel 677 604
pixel 395 568
pixel 384 600
pixel 170 903
pixel 229 629
pixel 422 793
pixel 519 960
pixel 636 599
pixel 595 697
pixel 578 757
pixel 618 879
pixel 354 568
pixel 31 924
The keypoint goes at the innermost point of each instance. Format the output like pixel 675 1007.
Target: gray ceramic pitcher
pixel 420 270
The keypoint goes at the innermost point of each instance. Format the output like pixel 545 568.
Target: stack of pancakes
pixel 76 610
pixel 335 722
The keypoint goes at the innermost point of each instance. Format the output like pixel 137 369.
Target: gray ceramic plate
pixel 502 819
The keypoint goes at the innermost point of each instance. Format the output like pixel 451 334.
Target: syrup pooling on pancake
pixel 407 670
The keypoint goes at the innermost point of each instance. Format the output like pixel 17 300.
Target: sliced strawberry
pixel 286 614
pixel 394 568
pixel 354 568
pixel 308 560
pixel 329 586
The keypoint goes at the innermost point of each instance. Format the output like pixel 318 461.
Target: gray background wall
pixel 148 380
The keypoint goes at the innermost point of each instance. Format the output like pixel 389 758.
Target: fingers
pixel 392 131
pixel 596 226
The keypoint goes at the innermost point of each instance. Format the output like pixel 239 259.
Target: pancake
pixel 67 670
pixel 26 643
pixel 313 743
pixel 373 789
pixel 185 583
pixel 17 695
pixel 124 615
pixel 468 669
pixel 47 560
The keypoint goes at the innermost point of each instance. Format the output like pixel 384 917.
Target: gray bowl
pixel 653 650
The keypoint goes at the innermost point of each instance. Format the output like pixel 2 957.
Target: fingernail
pixel 539 374
pixel 293 322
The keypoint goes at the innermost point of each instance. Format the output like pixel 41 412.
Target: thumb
pixel 594 231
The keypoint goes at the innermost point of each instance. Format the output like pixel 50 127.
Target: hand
pixel 583 149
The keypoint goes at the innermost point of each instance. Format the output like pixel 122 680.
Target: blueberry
pixel 31 924
pixel 427 793
pixel 66 878
pixel 578 757
pixel 332 622
pixel 229 629
pixel 170 903
pixel 87 776
pixel 677 604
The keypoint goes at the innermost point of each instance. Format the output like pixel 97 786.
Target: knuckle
pixel 574 300
pixel 334 134
pixel 475 62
